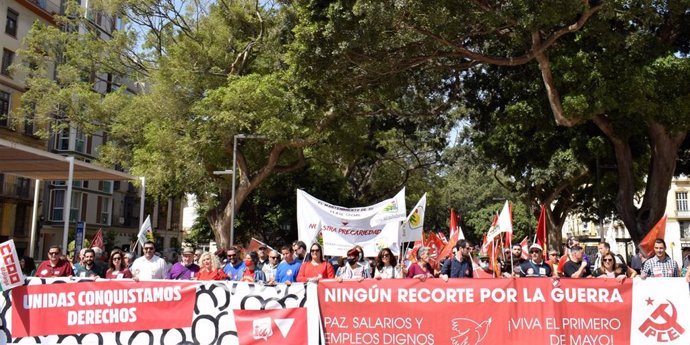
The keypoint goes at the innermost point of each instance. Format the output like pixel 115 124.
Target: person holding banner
pixel 288 270
pixel 88 267
pixel 116 266
pixel 536 266
pixel 386 266
pixel 186 269
pixel 210 268
pixel 609 268
pixel 234 267
pixel 352 268
pixel 28 266
pixel 660 265
pixel 271 267
pixel 314 267
pixel 421 269
pixel 576 266
pixel 460 265
pixel 149 266
pixel 55 266
pixel 252 273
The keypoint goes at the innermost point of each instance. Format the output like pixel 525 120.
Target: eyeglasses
pixel 53 253
pixel 116 258
pixel 149 248
pixel 608 260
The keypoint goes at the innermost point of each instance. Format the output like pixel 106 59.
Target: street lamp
pixel 234 175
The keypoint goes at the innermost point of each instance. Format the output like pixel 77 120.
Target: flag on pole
pixel 658 231
pixel 442 237
pixel 413 226
pixel 255 244
pixel 454 227
pixel 146 232
pixel 611 239
pixel 435 245
pixel 525 248
pixel 98 240
pixel 504 223
pixel 11 274
pixel 541 228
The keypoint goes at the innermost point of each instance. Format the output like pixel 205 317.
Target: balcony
pixel 47 5
pixel 16 191
pixel 683 214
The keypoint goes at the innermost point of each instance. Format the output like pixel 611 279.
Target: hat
pixel 576 247
pixel 536 246
pixel 188 250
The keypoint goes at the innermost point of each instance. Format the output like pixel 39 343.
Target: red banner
pixel 101 306
pixel 476 311
pixel 271 327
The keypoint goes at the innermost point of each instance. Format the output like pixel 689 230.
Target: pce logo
pixel 668 328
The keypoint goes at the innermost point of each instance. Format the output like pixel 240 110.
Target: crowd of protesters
pixel 301 263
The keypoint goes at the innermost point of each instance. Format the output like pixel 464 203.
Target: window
pixel 57 204
pixel 11 24
pixel 105 186
pixel 22 187
pixel 104 216
pixel 4 109
pixel 2 183
pixel 79 142
pixel 681 201
pixel 7 58
pixel 684 229
pixel 62 140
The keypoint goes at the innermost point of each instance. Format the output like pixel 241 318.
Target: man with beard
pixel 149 266
pixel 55 266
pixel 288 269
pixel 88 268
pixel 235 267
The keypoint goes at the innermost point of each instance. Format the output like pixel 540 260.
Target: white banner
pixel 372 227
pixel 10 267
pixel 413 226
pixel 660 311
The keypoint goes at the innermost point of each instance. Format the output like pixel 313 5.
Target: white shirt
pixel 145 269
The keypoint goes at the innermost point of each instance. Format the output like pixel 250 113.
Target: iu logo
pixel 661 325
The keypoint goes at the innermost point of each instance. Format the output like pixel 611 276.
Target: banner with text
pixel 101 306
pixel 477 311
pixel 372 227
pixel 83 311
pixel 10 267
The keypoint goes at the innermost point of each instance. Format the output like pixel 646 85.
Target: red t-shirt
pixel 324 270
pixel 211 275
pixel 62 269
pixel 110 274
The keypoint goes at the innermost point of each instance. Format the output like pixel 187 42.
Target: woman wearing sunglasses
pixel 610 269
pixel 116 266
pixel 314 267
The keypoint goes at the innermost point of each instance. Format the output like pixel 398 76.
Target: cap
pixel 187 250
pixel 576 247
pixel 536 246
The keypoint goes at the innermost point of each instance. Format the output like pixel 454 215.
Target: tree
pixel 614 64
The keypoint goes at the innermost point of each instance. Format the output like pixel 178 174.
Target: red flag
pixel 453 222
pixel 525 248
pixel 541 228
pixel 98 240
pixel 435 246
pixel 658 231
pixel 412 253
pixel 509 240
pixel 254 245
pixel 442 237
pixel 478 271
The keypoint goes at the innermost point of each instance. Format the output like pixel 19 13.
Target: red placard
pixel 271 327
pixel 101 306
pixel 476 311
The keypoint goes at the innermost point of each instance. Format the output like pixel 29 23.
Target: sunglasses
pixel 316 250
pixel 232 256
pixel 149 248
pixel 386 255
pixel 53 253
pixel 272 257
pixel 553 254
pixel 534 251
pixel 608 260
pixel 117 258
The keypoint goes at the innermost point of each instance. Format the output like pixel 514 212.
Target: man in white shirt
pixel 148 266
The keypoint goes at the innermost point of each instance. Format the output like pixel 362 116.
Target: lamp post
pixel 234 178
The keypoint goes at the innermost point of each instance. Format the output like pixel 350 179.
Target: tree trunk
pixel 664 153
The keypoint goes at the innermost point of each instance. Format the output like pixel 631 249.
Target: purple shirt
pixel 181 272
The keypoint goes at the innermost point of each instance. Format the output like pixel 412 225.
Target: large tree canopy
pixel 617 65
